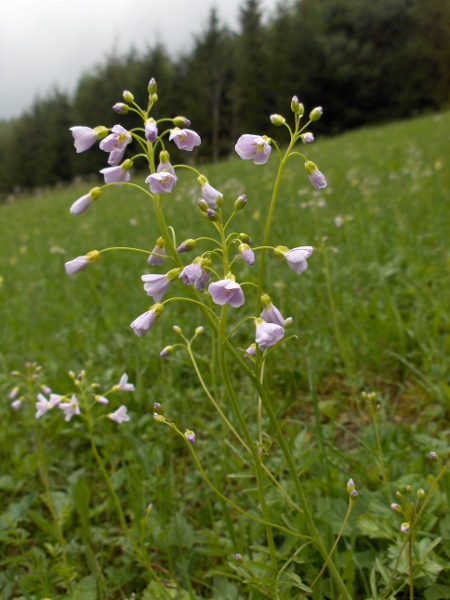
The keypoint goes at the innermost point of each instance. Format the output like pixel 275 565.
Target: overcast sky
pixel 44 43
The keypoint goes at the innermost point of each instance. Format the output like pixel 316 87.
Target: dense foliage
pixel 368 61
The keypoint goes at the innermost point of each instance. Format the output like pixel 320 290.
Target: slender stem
pixel 410 563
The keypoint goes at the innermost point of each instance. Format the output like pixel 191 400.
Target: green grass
pixel 371 312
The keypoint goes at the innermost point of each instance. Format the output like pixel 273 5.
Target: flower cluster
pixel 219 283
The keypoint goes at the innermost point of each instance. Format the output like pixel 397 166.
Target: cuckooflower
pixel 191 273
pixel 247 254
pixel 253 147
pixel 307 138
pixel 161 183
pixel 143 323
pixel 118 174
pixel 70 408
pixel 270 313
pixel 119 415
pixel 164 164
pixel 17 404
pixel 295 258
pixel 156 286
pixel 85 137
pixel 190 436
pixel 42 405
pixel 151 130
pixel 227 291
pixel 81 262
pixel 210 194
pixel 159 250
pixel 316 177
pixel 83 203
pixel 267 334
pixel 203 280
pixel 185 139
pixel 117 140
pixel 123 384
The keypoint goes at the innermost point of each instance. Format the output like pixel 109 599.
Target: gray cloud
pixel 50 43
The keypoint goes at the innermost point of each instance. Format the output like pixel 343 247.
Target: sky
pixel 50 43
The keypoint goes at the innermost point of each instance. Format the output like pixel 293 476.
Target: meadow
pixel 371 315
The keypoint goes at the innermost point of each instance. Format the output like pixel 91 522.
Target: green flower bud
pixel 277 120
pixel 240 202
pixel 95 193
pixel 421 494
pixel 152 87
pixel 101 132
pixel 245 238
pixel 128 96
pixel 316 113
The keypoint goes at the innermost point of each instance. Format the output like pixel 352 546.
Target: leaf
pixel 375 528
pixel 293 579
pixel 81 495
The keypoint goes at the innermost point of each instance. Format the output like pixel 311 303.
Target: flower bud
pixel 101 132
pixel 159 418
pixel 186 246
pixel 350 486
pixel 157 406
pixel 288 322
pixel 199 330
pixel 240 202
pixel 354 495
pixel 307 138
pixel 295 104
pixel 239 558
pixel 128 96
pixel 277 120
pixel 190 436
pixel 316 113
pixel 181 122
pixel 203 205
pixel 251 350
pixel 212 215
pixel 405 527
pixel 152 87
pixel 14 393
pixel 154 98
pixel 167 351
pixel 396 507
pixel 177 329
pixel 398 495
pixel 120 108
pixel 434 456
pixel 246 239
pixel 421 494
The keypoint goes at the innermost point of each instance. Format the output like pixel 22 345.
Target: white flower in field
pixel 42 406
pixel 70 408
pixel 120 415
pixel 123 384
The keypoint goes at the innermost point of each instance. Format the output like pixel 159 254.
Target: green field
pixel 371 314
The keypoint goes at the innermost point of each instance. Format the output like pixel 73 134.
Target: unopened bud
pixel 434 456
pixel 350 486
pixel 354 495
pixel 203 205
pixel 277 120
pixel 239 557
pixel 405 527
pixel 159 418
pixel 316 113
pixel 421 494
pixel 240 202
pixel 165 352
pixel 199 330
pixel 154 98
pixel 157 406
pixel 295 104
pixel 152 87
pixel 186 246
pixel 181 122
pixel 190 436
pixel 396 507
pixel 128 97
pixel 398 495
pixel 212 215
pixel 245 238
pixel 120 108
pixel 307 138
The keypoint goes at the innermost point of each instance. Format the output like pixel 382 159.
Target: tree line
pixel 365 61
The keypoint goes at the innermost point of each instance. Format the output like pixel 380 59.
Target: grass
pixel 371 313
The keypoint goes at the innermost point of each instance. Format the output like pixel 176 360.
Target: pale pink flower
pixel 117 174
pixel 102 400
pixel 191 273
pixel 119 415
pixel 296 258
pixel 156 285
pixel 161 183
pixel 185 139
pixel 123 384
pixel 227 291
pixel 159 250
pixel 271 314
pixel 307 138
pixel 143 323
pixel 247 254
pixel 253 147
pixel 17 404
pixel 211 195
pixel 42 405
pixel 83 203
pixel 166 166
pixel 14 393
pixel 84 137
pixel 268 334
pixel 70 408
pixel 75 265
pixel 203 280
pixel 190 436
pixel 316 177
pixel 118 139
pixel 151 130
